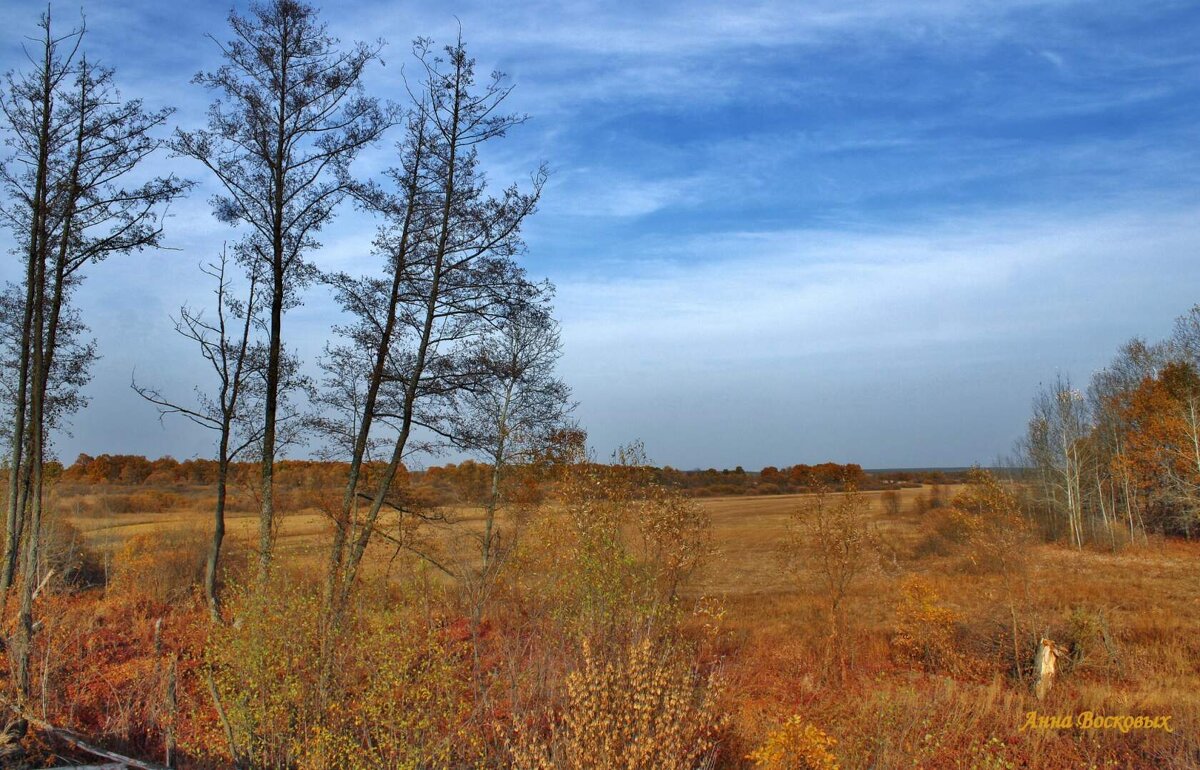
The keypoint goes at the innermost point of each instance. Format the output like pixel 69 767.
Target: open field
pixel 746 533
pixel 745 524
pixel 1131 619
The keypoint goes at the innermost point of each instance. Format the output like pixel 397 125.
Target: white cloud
pixel 765 337
pixel 816 292
pixel 598 192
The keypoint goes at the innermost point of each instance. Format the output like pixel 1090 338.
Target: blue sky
pixel 781 232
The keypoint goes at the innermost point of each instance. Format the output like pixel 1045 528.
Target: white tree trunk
pixel 1045 666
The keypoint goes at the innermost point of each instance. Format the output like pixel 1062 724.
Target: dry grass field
pixel 1130 618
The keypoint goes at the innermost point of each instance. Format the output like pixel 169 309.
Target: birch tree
pixel 1109 397
pixel 1056 447
pixel 507 417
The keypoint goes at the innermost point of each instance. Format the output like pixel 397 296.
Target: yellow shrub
pixel 796 745
pixel 264 665
pixel 925 627
pixel 409 703
pixel 161 566
pixel 398 696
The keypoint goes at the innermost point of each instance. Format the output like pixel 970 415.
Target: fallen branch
pixel 67 736
pixel 42 584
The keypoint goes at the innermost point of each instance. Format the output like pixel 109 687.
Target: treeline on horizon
pixel 454 478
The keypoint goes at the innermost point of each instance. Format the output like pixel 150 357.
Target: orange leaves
pixel 1161 438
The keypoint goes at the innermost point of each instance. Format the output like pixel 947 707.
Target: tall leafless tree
pixel 73 144
pixel 234 410
pixel 1056 448
pixel 448 251
pixel 511 412
pixel 289 118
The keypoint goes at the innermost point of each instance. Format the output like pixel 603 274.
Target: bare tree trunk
pixel 439 296
pixel 44 340
pixel 282 165
pixel 17 472
pixel 359 547
pixel 482 589
pixel 24 646
pixel 1104 510
pixel 32 297
pixel 498 462
pixel 23 502
pixel 266 520
pixel 334 599
pixel 214 548
pixel 233 363
pixel 400 263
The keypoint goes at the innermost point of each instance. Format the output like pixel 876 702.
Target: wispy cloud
pixel 780 231
pixel 762 314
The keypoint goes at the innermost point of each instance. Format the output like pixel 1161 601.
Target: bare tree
pixel 509 416
pixel 238 364
pixel 34 138
pixel 1184 343
pixel 73 143
pixel 511 412
pixel 448 250
pixel 290 118
pixel 1056 447
pixel 832 544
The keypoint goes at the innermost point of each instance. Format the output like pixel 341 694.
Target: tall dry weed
pixel 646 707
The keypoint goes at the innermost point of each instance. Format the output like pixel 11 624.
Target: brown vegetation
pixel 626 601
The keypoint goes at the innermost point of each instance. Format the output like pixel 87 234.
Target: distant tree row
pixel 137 470
pixel 1121 458
pixel 466 481
pixel 831 475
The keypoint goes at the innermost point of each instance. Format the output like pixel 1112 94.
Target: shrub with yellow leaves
pixel 400 695
pixel 796 745
pixel 925 627
pixel 163 567
pixel 614 549
pixel 995 531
